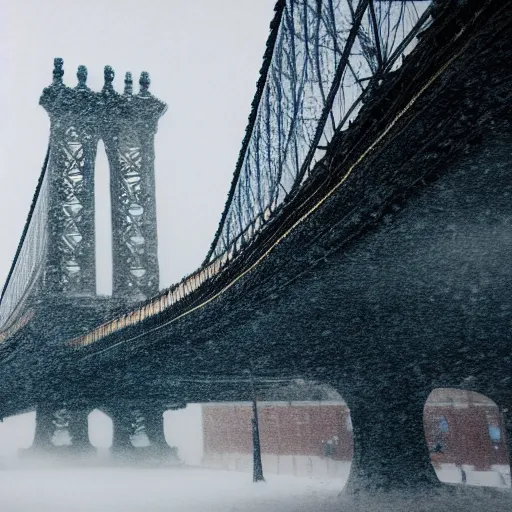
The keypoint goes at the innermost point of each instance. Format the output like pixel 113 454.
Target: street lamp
pixel 257 466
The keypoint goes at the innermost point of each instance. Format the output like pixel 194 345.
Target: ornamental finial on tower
pixel 52 94
pixel 108 74
pixel 58 72
pixel 128 84
pixel 81 75
pixel 140 109
pixel 144 83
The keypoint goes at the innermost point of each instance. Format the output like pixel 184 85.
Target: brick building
pixel 462 429
pixel 465 428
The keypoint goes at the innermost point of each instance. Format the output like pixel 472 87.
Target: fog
pixel 183 429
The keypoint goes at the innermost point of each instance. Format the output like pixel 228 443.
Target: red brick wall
pixel 303 429
pixel 227 428
pixel 467 440
pixel 284 430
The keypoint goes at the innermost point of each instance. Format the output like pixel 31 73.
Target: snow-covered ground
pixel 203 490
pixel 190 488
pixel 174 489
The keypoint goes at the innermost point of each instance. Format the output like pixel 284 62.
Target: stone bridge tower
pixel 127 124
pixel 74 134
pixel 129 142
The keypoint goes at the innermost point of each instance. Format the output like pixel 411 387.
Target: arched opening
pixel 16 434
pixel 103 223
pixel 305 431
pixel 61 434
pixel 100 431
pixel 139 437
pixel 466 437
pixel 183 431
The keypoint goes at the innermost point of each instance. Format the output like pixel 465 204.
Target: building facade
pixel 462 430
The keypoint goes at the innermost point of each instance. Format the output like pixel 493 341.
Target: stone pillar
pixel 129 135
pixel 154 423
pixel 74 134
pixel 78 428
pixel 45 429
pixel 122 432
pixel 390 450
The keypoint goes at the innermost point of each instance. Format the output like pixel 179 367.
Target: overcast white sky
pixel 204 58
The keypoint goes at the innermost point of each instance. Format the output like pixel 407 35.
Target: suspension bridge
pixel 364 243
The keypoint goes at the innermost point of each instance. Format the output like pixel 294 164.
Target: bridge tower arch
pixel 127 124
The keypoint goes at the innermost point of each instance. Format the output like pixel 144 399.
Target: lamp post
pixel 257 466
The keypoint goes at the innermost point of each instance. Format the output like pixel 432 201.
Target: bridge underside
pixel 408 259
pixel 397 284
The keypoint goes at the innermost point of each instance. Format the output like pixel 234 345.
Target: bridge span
pixel 384 272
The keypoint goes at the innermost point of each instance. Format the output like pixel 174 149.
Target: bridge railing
pixel 322 58
pixel 28 261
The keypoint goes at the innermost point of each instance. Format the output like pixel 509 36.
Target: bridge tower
pixel 127 124
pixel 70 260
pixel 128 134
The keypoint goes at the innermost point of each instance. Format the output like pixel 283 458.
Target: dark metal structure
pixel 257 466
